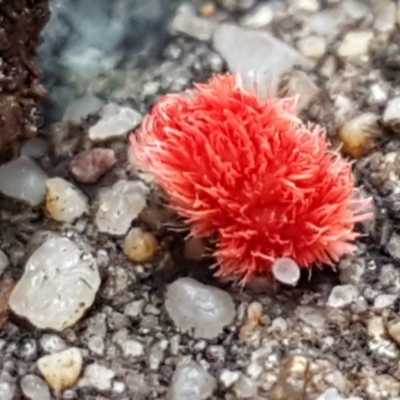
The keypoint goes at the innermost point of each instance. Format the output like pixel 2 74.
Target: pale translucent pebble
pixel 229 378
pixel 391 115
pixel 119 205
pixel 300 84
pixel 3 262
pixel 51 343
pixel 201 309
pixel 7 390
pixel 191 382
pixel 23 180
pixel 342 296
pixel 59 283
pixel 115 121
pixel 118 387
pixel 311 316
pixel 355 45
pixel 384 300
pixel 312 46
pixel 34 388
pixel 81 108
pixel 385 15
pixel 245 388
pixel 61 370
pixel 333 394
pixel 35 148
pixel 327 22
pixel 259 57
pixel 97 376
pixel 330 22
pixel 64 201
pixel 188 23
pixel 287 271
pixel 311 6
pixel 132 348
pixel 261 16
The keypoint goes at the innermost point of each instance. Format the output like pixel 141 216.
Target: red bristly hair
pixel 251 171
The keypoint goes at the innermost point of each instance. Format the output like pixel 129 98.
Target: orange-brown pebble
pixel 140 246
pixel 208 9
pixel 255 317
pixel 359 135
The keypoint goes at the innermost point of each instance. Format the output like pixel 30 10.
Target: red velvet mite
pixel 250 171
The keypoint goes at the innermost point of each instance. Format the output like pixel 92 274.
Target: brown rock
pixel 90 165
pixel 21 23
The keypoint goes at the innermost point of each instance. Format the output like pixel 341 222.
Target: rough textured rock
pixel 20 30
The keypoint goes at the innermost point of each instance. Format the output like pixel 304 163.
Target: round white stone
pixel 59 283
pixel 285 270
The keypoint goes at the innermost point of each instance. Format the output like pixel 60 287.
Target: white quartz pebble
pixel 59 283
pixel 22 179
pixel 201 309
pixel 119 205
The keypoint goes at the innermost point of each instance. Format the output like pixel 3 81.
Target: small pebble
pixel 61 370
pixel 35 388
pixel 98 377
pixel 64 201
pixel 140 246
pixel 35 148
pixel 201 309
pixel 23 180
pixel 393 246
pixel 360 134
pixel 311 316
pixel 286 271
pixel 96 345
pixel 312 47
pixel 51 343
pixel 119 205
pixel 59 283
pixel 186 22
pixel 376 327
pixel 391 115
pixel 238 5
pixel 384 301
pixel 261 16
pixel 115 121
pixel 81 108
pixel 255 317
pixel 342 296
pixel 394 330
pixel 259 56
pixel 311 6
pixel 132 348
pixel 292 378
pixel 302 85
pixel 134 309
pixel 229 378
pixel 89 166
pixel 4 262
pixel 190 381
pixel 7 390
pixel 355 45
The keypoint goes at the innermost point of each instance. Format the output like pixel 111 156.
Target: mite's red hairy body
pixel 251 171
